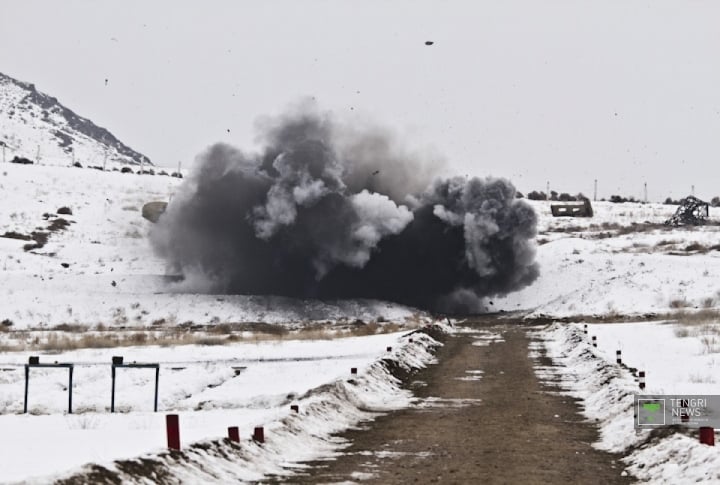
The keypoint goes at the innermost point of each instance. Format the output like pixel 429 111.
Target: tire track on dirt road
pixel 498 426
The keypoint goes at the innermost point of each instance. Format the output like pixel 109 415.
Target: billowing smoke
pixel 330 211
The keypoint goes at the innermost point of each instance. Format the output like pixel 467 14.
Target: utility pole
pixel 646 200
pixel 692 190
pixel 3 145
pixel 105 159
pixel 37 156
pixel 547 193
pixel 142 164
pixel 595 192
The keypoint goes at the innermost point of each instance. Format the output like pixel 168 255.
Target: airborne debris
pixel 692 211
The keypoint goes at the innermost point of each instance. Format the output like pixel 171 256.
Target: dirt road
pixel 498 426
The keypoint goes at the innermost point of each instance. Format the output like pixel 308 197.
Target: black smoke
pixel 328 210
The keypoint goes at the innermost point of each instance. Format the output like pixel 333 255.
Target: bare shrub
pixel 64 210
pixel 70 327
pixel 211 341
pixel 681 332
pixel 679 303
pixel 703 316
pixel 695 247
pixel 700 379
pixel 710 344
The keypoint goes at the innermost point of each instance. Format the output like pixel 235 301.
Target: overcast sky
pixel 533 90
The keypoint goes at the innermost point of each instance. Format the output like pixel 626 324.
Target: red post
pixel 594 341
pixel 641 378
pixel 707 435
pixel 353 370
pixel 295 408
pixel 172 423
pixel 259 434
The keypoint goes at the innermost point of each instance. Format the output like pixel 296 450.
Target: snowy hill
pixel 36 126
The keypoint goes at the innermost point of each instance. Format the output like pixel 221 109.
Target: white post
pixel 142 164
pixel 37 157
pixel 645 187
pixel 105 160
pixel 595 192
pixel 3 152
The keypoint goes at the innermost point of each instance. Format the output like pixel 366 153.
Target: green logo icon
pixel 651 412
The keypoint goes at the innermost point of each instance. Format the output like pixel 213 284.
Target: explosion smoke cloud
pixel 331 211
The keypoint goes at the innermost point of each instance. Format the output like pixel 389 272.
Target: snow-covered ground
pixel 101 268
pixel 100 274
pixel 676 359
pixel 622 262
pixel 201 385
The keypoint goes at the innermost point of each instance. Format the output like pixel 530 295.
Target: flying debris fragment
pixel 429 42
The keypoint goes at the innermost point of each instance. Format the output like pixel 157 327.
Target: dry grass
pixel 67 337
pixel 700 379
pixel 710 344
pixel 679 303
pixel 703 316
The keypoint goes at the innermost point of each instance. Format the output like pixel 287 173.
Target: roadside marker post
pixel 641 379
pixel 259 434
pixel 594 341
pixel 172 424
pixel 234 434
pixel 618 357
pixel 707 435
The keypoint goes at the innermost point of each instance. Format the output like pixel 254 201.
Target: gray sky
pixel 565 91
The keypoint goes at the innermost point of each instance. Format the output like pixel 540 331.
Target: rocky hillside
pixel 38 127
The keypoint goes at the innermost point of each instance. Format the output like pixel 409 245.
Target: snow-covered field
pixel 623 262
pixel 101 268
pixel 99 276
pixel 202 386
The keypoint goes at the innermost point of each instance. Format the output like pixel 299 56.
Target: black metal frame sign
pixel 117 362
pixel 35 362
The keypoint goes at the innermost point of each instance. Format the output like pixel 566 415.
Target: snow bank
pixel 310 434
pixel 606 391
